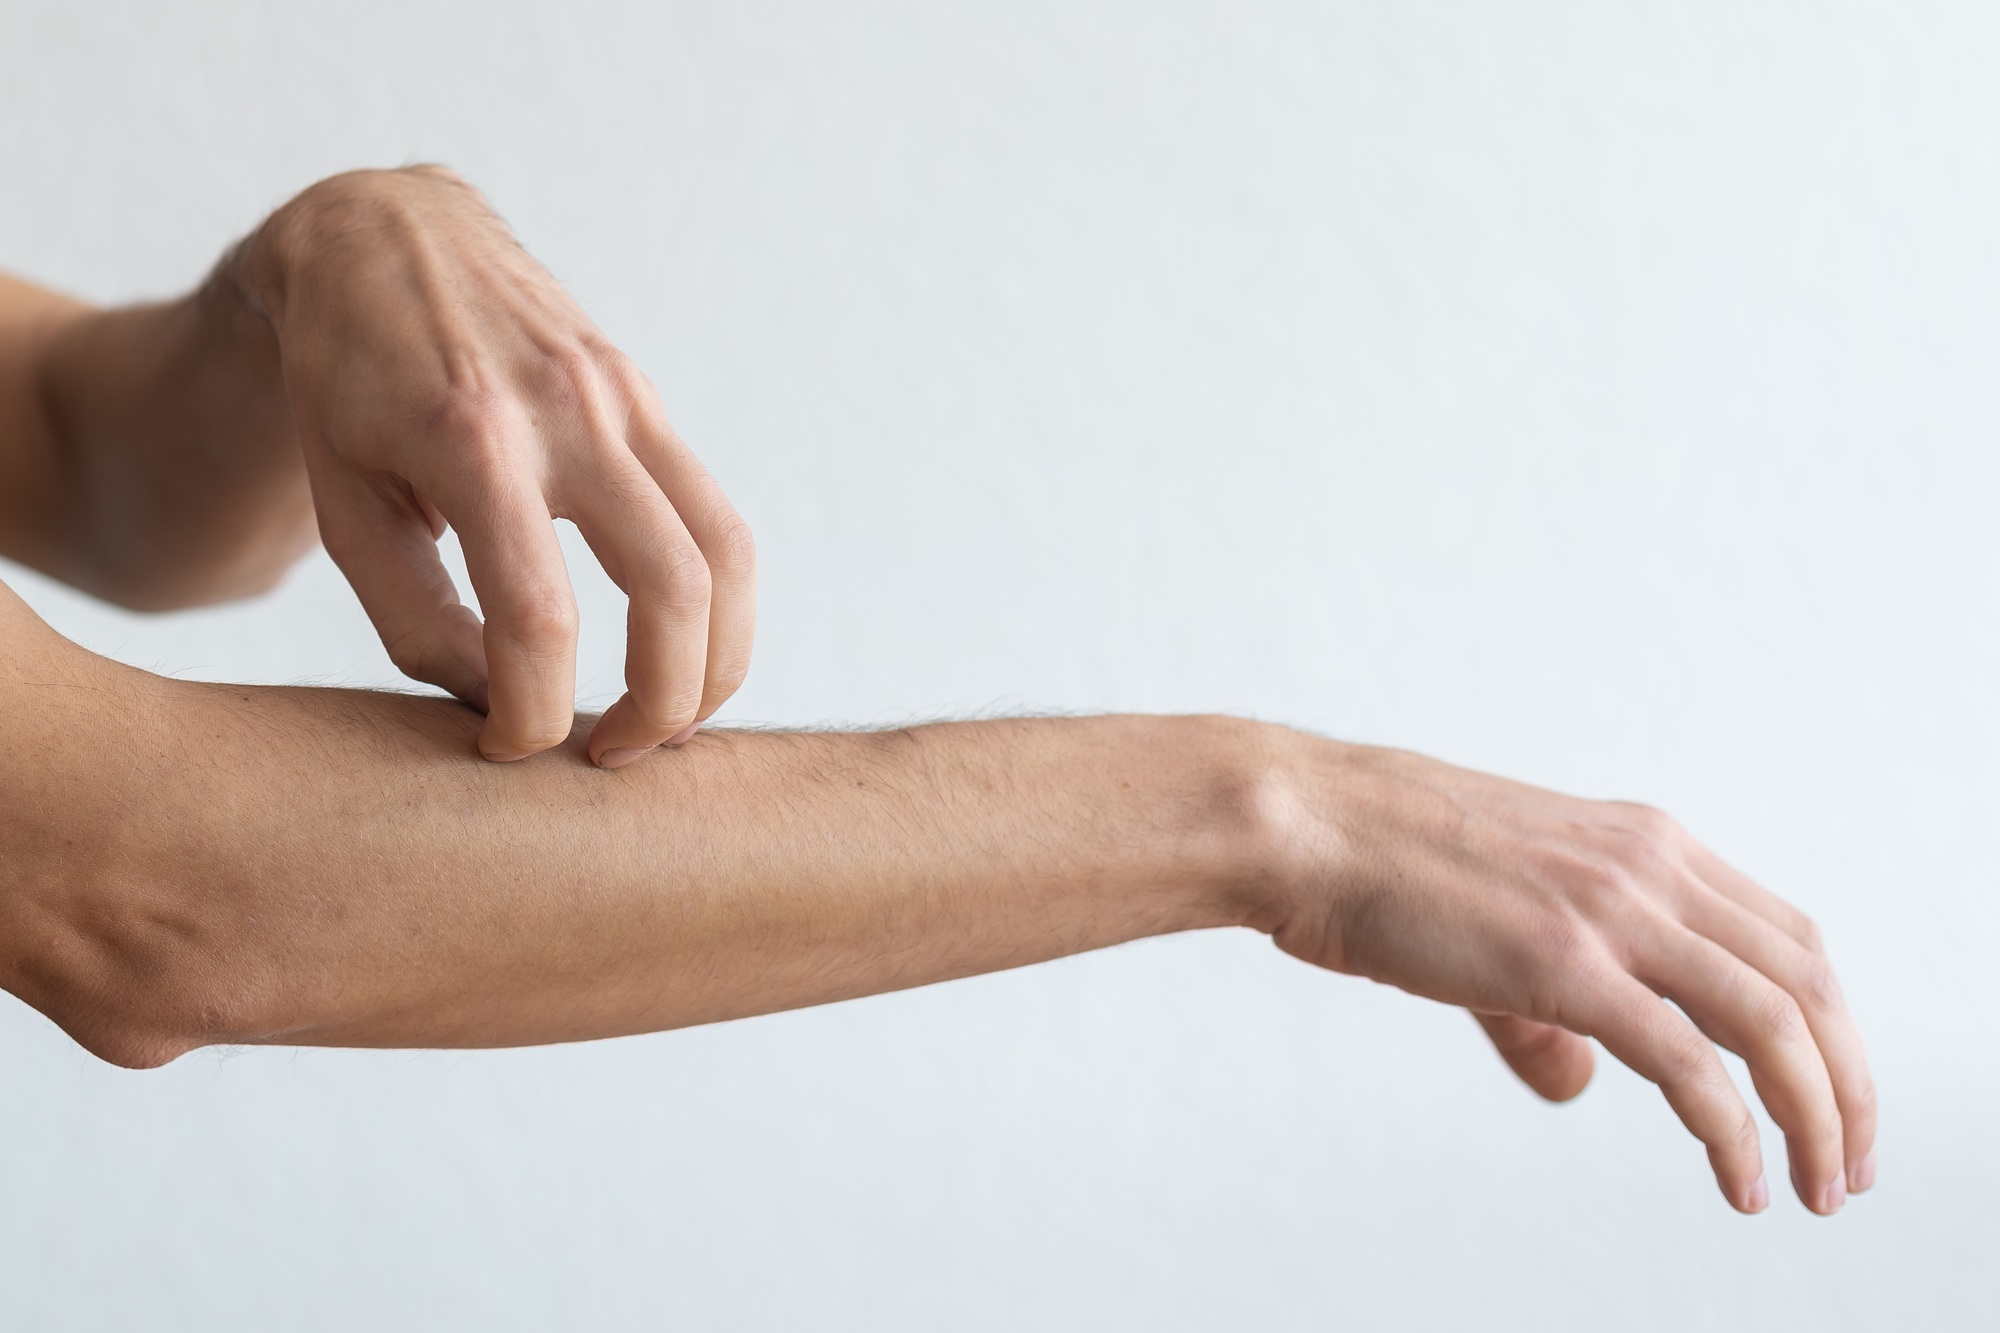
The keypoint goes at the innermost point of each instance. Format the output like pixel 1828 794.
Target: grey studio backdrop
pixel 1600 394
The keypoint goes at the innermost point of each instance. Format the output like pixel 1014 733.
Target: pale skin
pixel 192 864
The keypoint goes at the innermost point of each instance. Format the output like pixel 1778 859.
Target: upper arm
pixel 28 458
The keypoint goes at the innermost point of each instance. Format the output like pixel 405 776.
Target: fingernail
pixel 1760 1196
pixel 684 733
pixel 1862 1177
pixel 502 756
pixel 1836 1194
pixel 619 758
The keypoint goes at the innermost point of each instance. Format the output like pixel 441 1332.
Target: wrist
pixel 1265 835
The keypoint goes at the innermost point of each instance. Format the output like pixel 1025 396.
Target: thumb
pixel 384 538
pixel 1554 1062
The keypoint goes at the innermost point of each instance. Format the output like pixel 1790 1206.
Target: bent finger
pixel 1748 894
pixel 1660 1045
pixel 378 533
pixel 1557 1064
pixel 1748 1013
pixel 517 569
pixel 649 553
pixel 1809 979
pixel 726 547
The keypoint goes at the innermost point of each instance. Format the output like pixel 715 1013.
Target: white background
pixel 1602 394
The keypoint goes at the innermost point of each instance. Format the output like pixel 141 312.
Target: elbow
pixel 117 920
pixel 127 1022
pixel 126 987
pixel 129 1046
pixel 118 1031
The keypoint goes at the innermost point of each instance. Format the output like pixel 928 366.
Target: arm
pixel 148 453
pixel 324 867
pixel 318 866
pixel 377 361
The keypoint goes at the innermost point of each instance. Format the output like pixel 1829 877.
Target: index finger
pixel 524 592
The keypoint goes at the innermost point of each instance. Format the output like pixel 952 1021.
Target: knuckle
pixel 412 662
pixel 1778 1018
pixel 472 419
pixel 413 655
pixel 684 580
pixel 567 375
pixel 1691 1057
pixel 730 549
pixel 1818 985
pixel 1744 1138
pixel 1657 823
pixel 1594 884
pixel 541 619
pixel 1563 941
pixel 624 376
pixel 1646 834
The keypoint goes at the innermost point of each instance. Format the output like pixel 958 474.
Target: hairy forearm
pixel 327 867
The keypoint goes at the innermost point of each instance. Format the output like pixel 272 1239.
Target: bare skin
pixel 382 351
pixel 191 864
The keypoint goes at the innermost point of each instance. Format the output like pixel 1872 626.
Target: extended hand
pixel 1550 917
pixel 438 375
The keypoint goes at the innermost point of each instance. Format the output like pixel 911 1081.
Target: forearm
pixel 30 317
pixel 194 863
pixel 173 472
pixel 328 867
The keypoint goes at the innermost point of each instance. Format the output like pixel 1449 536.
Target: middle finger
pixel 648 552
pixel 1746 1012
pixel 1809 979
